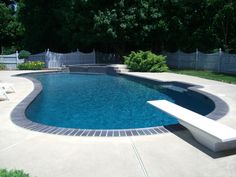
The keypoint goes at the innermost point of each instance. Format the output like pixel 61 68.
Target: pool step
pixel 121 70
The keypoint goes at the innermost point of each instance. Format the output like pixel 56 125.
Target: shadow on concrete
pixel 185 135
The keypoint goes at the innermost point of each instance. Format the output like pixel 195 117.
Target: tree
pixel 129 25
pixel 224 23
pixel 10 29
pixel 76 21
pixel 41 25
pixel 123 25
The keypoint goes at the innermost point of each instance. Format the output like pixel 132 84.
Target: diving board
pixel 212 134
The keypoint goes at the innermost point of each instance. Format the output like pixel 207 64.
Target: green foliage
pixel 34 65
pixel 121 26
pixel 131 24
pixel 50 23
pixel 146 62
pixel 12 173
pixel 11 29
pixel 5 19
pixel 2 66
pixel 224 23
pixel 8 50
pixel 24 54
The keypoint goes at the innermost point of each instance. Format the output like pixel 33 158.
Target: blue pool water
pixel 94 101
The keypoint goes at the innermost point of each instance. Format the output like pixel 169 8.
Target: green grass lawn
pixel 208 75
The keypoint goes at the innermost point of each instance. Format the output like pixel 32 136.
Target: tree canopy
pixel 11 30
pixel 123 25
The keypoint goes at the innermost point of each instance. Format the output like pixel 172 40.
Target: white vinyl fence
pixel 109 58
pixel 218 62
pixel 10 61
pixel 57 60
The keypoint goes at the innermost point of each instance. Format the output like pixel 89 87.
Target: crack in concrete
pixel 145 173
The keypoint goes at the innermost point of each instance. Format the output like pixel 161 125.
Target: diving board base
pixel 211 134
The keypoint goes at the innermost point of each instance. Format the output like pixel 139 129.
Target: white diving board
pixel 212 134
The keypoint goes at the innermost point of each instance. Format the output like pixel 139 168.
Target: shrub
pixel 2 66
pixel 34 65
pixel 13 173
pixel 8 50
pixel 146 62
pixel 24 54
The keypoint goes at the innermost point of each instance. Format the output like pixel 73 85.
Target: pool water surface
pixel 98 101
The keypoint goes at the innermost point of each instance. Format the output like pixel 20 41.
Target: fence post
pixel 17 57
pixel 178 59
pixel 47 58
pixel 219 62
pixel 196 58
pixel 94 56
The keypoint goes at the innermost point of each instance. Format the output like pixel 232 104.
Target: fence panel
pixel 172 59
pixel 208 61
pixel 87 58
pixel 70 58
pixel 228 63
pixel 111 58
pixel 10 61
pixel 186 60
pixel 218 62
pixel 56 60
pixel 37 57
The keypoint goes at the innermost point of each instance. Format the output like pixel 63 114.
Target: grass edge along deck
pixel 212 134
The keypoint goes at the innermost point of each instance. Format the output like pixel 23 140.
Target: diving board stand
pixel 212 134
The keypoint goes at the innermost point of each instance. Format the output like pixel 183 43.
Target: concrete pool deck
pixel 174 154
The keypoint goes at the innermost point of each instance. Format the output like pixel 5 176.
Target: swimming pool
pixel 98 101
